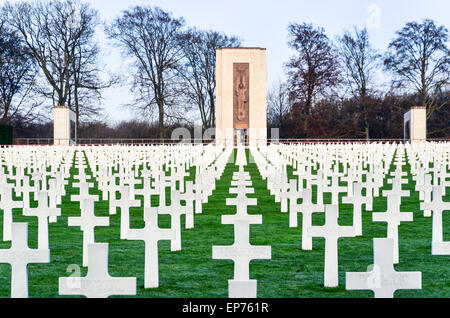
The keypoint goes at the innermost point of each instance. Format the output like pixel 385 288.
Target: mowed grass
pixel 192 273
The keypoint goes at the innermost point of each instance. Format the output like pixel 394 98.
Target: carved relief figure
pixel 241 94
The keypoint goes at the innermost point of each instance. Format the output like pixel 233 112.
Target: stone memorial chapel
pixel 241 96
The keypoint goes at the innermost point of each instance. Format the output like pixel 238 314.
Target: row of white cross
pixel 272 163
pixel 98 283
pixel 44 172
pixel 241 252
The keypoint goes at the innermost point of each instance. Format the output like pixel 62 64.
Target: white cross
pixel 7 204
pixel 151 234
pixel 393 217
pixel 191 197
pixel 370 185
pixel 306 208
pixel 84 193
pixel 319 181
pixel 97 283
pixel 36 176
pixel 357 201
pixel 425 191
pixel 19 256
pixel 175 210
pixel 181 174
pixel 335 189
pixel 438 206
pixel 241 175
pixel 25 189
pixel 292 195
pixel 396 189
pixel 55 193
pixel 161 184
pixel 124 203
pixel 241 252
pixel 146 190
pixel 110 189
pixel 331 231
pixel 132 182
pixel 42 212
pixel 241 189
pixel 350 178
pixel 87 222
pixel 242 202
pixel 383 280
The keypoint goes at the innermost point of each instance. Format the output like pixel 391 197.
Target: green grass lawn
pixel 192 272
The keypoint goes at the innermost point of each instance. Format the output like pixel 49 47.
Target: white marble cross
pixel 241 252
pixel 320 181
pixel 335 189
pixel 241 158
pixel 242 175
pixel 97 283
pixel 161 184
pixel 292 195
pixel 241 189
pixel 331 231
pixel 306 208
pixel 124 203
pixel 393 217
pixel 383 280
pixel 19 256
pixel 175 210
pixel 151 234
pixel 54 197
pixel 425 191
pixel 396 189
pixel 192 198
pixel 350 178
pixel 42 212
pixel 438 206
pixel 357 200
pixel 87 222
pixel 25 189
pixel 84 193
pixel 146 190
pixel 242 202
pixel 7 204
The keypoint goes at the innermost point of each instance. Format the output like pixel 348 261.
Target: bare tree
pixel 43 26
pixel 85 92
pixel 60 37
pixel 199 71
pixel 360 61
pixel 151 37
pixel 420 59
pixel 17 77
pixel 278 105
pixel 312 71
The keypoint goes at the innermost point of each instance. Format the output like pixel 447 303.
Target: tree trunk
pixel 161 120
pixel 366 117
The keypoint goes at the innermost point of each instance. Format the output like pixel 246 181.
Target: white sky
pixel 263 23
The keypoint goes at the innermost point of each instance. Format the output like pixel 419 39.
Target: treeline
pixel 102 130
pixel 49 51
pixel 341 88
pixel 335 89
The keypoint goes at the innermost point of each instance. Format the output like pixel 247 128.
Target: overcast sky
pixel 263 23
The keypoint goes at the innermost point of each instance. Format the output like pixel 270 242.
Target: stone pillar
pixel 241 94
pixel 64 127
pixel 415 124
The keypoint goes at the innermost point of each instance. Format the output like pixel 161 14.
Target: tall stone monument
pixel 64 127
pixel 241 97
pixel 415 124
